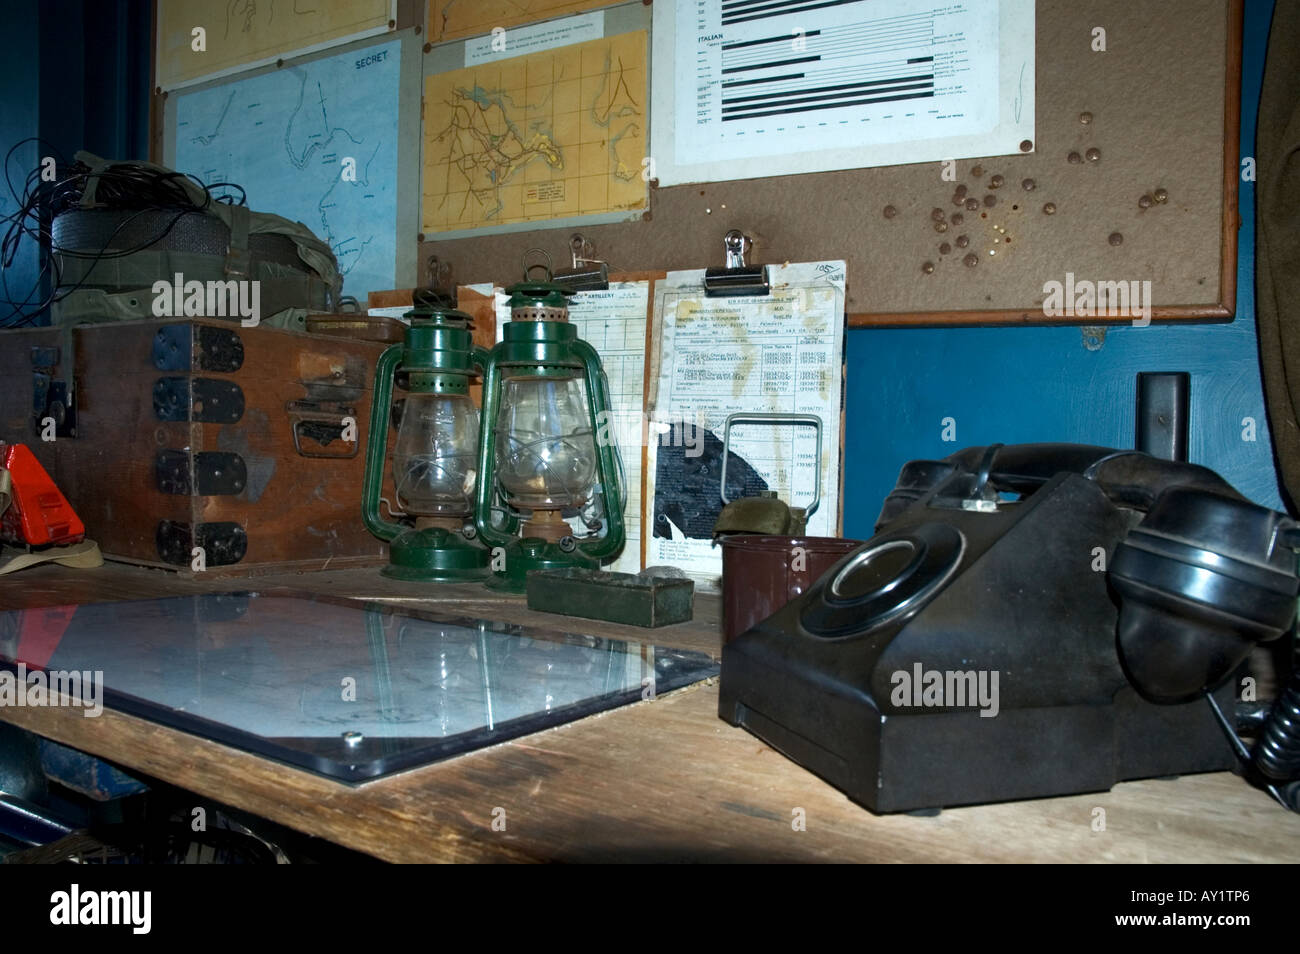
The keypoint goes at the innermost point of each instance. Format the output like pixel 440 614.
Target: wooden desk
pixel 656 781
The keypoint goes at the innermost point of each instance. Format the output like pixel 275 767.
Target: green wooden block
pixel 628 598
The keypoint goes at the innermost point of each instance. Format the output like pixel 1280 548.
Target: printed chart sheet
pixel 747 89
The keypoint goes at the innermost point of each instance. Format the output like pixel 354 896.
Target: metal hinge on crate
pixel 205 474
pixel 191 347
pixel 202 400
pixel 223 543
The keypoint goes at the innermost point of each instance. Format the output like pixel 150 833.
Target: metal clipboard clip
pixel 736 278
pixel 588 273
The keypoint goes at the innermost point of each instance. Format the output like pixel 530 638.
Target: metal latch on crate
pixel 320 429
pixel 52 399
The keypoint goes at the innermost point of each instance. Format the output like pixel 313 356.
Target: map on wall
pixel 314 142
pixel 549 135
pixel 455 19
pixel 237 34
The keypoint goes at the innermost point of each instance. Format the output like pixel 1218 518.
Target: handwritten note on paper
pixel 716 356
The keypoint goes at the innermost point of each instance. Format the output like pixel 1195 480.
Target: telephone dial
pixel 1032 620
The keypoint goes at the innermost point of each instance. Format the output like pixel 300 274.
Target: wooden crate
pixel 197 432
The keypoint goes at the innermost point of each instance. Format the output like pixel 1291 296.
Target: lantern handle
pixel 478 359
pixel 618 457
pixel 377 444
pixel 528 269
pixel 609 460
pixel 485 479
pixel 438 273
pixel 620 474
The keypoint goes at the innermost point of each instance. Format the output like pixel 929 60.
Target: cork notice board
pixel 1162 104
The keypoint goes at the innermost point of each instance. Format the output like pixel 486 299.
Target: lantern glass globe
pixel 545 449
pixel 435 459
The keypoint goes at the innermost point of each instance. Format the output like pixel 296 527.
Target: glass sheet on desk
pixel 349 690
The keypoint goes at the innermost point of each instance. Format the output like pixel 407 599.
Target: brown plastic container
pixel 758 575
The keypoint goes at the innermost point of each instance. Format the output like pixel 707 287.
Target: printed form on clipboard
pixel 762 354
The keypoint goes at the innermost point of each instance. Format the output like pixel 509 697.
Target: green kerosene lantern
pixel 546 456
pixel 435 459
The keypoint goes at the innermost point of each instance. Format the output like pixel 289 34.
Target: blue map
pixel 315 142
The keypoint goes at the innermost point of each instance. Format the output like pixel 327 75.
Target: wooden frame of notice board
pixel 1149 94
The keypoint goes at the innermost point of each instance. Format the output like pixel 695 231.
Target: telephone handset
pixel 1104 593
pixel 1204 576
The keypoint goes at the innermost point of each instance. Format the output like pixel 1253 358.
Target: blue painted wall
pixel 19 112
pixel 1019 385
pixel 76 74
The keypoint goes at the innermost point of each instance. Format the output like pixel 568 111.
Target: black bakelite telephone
pixel 1031 620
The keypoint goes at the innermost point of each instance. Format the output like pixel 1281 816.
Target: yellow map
pixel 452 19
pixel 240 32
pixel 549 135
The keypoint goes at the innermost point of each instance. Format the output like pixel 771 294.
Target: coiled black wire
pixel 123 185
pixel 1277 750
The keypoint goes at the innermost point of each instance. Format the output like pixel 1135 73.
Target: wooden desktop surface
pixel 664 780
